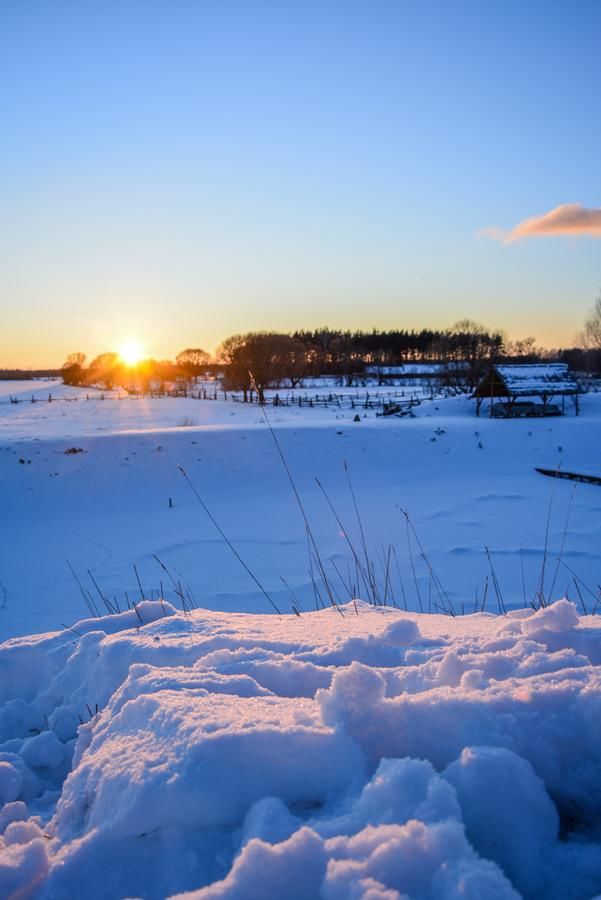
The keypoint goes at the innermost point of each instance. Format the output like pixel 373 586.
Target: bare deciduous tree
pixel 473 344
pixel 105 370
pixel 192 361
pixel 592 326
pixel 266 358
pixel 73 369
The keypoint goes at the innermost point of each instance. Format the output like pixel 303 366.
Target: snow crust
pixel 377 754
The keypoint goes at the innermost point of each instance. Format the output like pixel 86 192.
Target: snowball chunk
pixel 22 832
pixel 508 814
pixel 293 869
pixel 417 861
pixel 44 750
pixel 401 633
pixel 22 867
pixel 10 783
pixel 400 790
pixel 560 617
pixel 12 812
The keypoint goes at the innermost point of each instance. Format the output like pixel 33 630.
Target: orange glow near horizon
pixel 131 353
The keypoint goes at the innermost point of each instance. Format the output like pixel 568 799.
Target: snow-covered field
pixel 350 752
pixel 466 483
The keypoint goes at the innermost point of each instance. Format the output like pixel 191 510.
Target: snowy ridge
pixel 375 754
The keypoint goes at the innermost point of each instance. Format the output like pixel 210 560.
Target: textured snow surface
pixel 376 754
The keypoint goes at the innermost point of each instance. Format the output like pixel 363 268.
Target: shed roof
pixel 527 380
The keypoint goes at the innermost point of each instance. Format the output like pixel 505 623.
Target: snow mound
pixel 507 811
pixel 374 754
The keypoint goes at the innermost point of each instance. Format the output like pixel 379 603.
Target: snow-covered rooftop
pixel 538 378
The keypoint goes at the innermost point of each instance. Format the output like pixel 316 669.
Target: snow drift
pixel 373 755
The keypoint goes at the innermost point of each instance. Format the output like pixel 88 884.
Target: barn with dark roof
pixel 527 390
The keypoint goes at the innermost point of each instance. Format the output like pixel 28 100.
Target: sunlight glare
pixel 131 352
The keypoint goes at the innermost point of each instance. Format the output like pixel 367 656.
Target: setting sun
pixel 131 353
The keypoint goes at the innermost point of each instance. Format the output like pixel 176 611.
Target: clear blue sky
pixel 176 171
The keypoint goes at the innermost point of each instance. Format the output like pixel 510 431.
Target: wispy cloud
pixel 569 220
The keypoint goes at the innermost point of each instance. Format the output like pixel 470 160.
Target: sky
pixel 174 172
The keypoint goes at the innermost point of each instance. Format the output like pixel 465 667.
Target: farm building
pixel 416 372
pixel 527 390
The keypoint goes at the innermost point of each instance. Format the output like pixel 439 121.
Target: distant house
pixel 529 390
pixel 414 371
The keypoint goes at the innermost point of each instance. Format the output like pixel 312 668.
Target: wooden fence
pixel 354 400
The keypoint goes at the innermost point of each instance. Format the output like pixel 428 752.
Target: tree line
pixel 261 359
pixel 257 360
pixel 254 361
pixel 108 370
